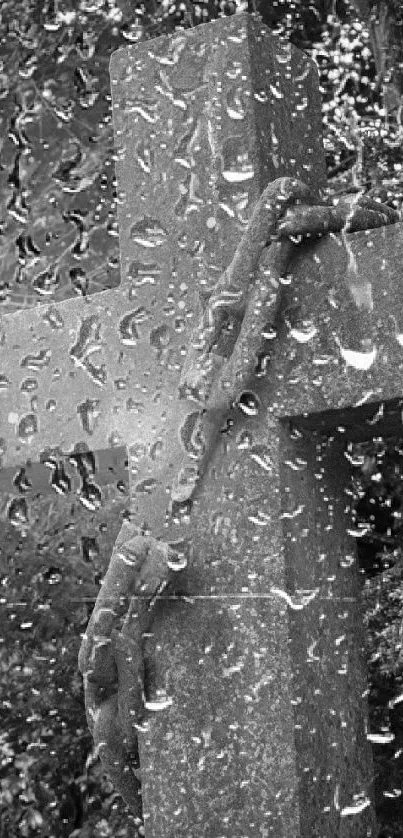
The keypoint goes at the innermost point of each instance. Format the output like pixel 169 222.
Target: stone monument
pixel 258 651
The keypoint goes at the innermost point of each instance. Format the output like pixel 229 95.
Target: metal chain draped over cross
pixel 251 286
pixel 111 657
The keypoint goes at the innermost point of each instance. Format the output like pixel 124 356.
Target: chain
pixel 251 287
pixel 110 659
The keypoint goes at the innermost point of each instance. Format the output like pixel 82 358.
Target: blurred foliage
pixel 377 492
pixel 59 238
pixel 52 559
pixel 58 232
pixel 383 611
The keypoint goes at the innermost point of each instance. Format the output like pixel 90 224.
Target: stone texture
pixel 207 118
pixel 223 762
pixel 352 304
pixel 266 733
pixel 241 752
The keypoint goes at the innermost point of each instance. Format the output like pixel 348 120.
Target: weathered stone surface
pixel 225 759
pixel 352 308
pixel 207 123
pixel 223 762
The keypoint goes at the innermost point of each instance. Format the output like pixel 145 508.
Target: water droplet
pixel 4 383
pixel 304 332
pixel 244 439
pixel 134 406
pixel 115 439
pixel 90 496
pixel 185 483
pixel 28 385
pixel 89 548
pixel 144 155
pixel 156 449
pixel 360 803
pixel 283 55
pixel 235 105
pixel 190 435
pixel 382 738
pixel 46 282
pixel 296 465
pixel 88 412
pixel 137 452
pixel 294 513
pixel 28 426
pixel 160 702
pixel 148 233
pixel 54 318
pixel 249 404
pixel 60 481
pixel 261 455
pixel 322 360
pixel 359 531
pixel 37 362
pixel 128 325
pixel 275 92
pixel 261 519
pixel 160 337
pixel 79 281
pixel 397 699
pixel 262 365
pixel 179 325
pixel 89 342
pixel 180 510
pixel 347 561
pixel 146 108
pixel 359 359
pixel 143 273
pixel 177 562
pixel 298 600
pixel 120 384
pixel 147 486
pixel 361 292
pixel 83 460
pixel 17 513
pixel 21 481
pixel 236 165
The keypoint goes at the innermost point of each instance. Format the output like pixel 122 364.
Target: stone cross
pixel 266 734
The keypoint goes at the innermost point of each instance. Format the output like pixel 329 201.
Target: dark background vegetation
pixel 59 238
